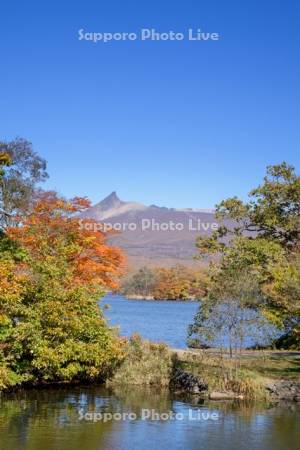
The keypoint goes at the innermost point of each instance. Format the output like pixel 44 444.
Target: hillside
pixel 153 235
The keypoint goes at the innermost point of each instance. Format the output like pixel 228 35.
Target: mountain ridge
pixel 153 235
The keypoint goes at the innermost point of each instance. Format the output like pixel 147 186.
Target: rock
pixel 228 395
pixel 285 390
pixel 185 381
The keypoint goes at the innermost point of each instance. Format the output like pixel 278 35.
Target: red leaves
pixel 52 230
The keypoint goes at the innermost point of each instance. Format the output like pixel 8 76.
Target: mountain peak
pixel 113 197
pixel 111 201
pixel 112 206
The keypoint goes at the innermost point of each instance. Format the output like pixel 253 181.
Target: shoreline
pixel 192 372
pixel 277 391
pixel 151 298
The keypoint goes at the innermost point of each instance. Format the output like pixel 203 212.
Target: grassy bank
pixel 152 364
pixel 149 364
pixel 269 364
pixel 145 363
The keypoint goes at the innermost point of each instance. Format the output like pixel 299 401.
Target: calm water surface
pixel 158 321
pixel 68 419
pixel 167 321
pixel 51 420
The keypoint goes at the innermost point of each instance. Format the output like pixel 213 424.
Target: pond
pixel 96 418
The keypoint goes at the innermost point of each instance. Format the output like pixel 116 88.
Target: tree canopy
pixel 21 169
pixel 261 238
pixel 174 283
pixel 53 274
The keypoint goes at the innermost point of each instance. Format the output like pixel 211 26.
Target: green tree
pixel 140 283
pixel 261 237
pixel 51 326
pixel 273 211
pixel 228 316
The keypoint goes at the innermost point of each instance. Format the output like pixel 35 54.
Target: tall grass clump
pixel 145 363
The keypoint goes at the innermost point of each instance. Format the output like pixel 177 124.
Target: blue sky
pixel 171 123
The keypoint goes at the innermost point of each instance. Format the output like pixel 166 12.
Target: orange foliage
pixel 52 232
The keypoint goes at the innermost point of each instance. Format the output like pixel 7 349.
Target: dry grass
pixel 150 364
pixel 145 363
pixel 246 375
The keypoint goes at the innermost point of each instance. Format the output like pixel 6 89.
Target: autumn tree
pixel 174 283
pixel 180 283
pixel 52 326
pixel 139 284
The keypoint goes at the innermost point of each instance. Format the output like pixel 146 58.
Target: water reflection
pixel 50 420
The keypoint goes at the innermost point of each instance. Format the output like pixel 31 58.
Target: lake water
pixel 167 321
pixel 69 419
pixel 158 321
pixel 139 418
